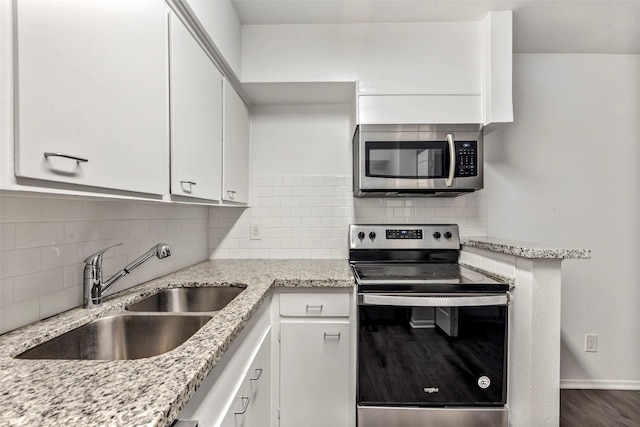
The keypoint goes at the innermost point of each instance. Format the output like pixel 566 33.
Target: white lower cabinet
pixel 237 392
pixel 292 366
pixel 251 405
pixel 314 374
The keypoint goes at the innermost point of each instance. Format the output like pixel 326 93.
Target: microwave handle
pixel 434 301
pixel 452 160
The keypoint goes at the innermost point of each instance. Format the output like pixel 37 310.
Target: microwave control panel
pixel 466 158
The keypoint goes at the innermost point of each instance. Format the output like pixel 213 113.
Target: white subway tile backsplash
pixel 7 236
pixel 61 255
pixel 20 209
pixel 73 275
pixel 45 240
pixel 20 261
pixel 60 301
pixel 308 217
pixel 81 231
pixel 19 314
pixel 33 234
pixel 62 210
pixel 37 284
pixel 6 291
pixel 99 210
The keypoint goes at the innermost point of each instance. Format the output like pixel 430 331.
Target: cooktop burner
pixel 417 273
pixel 413 258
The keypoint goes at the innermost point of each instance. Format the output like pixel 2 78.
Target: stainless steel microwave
pixel 417 160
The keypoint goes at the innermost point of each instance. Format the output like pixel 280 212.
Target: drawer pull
pixel 66 156
pixel 245 400
pixel 330 335
pixel 314 307
pixel 258 372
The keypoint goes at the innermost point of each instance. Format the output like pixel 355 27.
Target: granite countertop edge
pixel 153 390
pixel 524 249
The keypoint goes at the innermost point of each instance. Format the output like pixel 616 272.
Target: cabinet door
pixel 196 118
pixel 259 387
pixel 92 83
pixel 314 375
pixel 237 414
pixel 236 147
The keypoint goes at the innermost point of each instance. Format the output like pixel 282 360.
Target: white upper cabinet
pixel 429 72
pixel 92 93
pixel 235 179
pixel 196 118
pixel 222 25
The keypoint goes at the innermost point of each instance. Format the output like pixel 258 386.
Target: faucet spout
pixel 94 286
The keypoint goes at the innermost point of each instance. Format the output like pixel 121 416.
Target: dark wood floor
pixel 595 408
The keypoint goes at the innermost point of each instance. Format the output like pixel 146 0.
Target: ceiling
pixel 540 26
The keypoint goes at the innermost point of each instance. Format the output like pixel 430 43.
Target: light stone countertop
pixel 150 391
pixel 524 249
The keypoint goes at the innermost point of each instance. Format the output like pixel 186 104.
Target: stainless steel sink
pixel 188 299
pixel 120 337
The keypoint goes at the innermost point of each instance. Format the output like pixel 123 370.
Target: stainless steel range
pixel 432 334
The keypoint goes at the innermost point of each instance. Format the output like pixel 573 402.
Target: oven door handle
pixel 434 300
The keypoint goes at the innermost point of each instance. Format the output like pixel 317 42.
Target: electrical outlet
pixel 255 232
pixel 591 343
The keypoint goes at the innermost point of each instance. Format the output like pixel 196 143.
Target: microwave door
pixel 406 160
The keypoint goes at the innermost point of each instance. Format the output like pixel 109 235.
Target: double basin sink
pixel 152 326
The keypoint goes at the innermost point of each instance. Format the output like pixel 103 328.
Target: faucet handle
pixel 92 259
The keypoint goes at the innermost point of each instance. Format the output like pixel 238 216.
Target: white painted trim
pixel 600 384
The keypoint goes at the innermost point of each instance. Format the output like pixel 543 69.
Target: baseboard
pixel 600 385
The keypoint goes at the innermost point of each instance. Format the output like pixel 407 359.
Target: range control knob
pixel 372 235
pixel 448 234
pixel 437 235
pixel 361 235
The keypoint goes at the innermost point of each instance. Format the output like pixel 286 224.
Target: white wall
pixel 566 172
pixel 408 58
pixel 302 194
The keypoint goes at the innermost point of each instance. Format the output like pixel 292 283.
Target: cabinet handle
pixel 329 335
pixel 314 307
pixel 258 372
pixel 66 156
pixel 231 193
pixel 246 401
pixel 191 184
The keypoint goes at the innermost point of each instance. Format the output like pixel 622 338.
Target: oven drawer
pixel 314 304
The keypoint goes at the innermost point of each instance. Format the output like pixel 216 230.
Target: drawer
pixel 314 304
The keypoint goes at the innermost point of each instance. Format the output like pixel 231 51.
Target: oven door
pixel 432 352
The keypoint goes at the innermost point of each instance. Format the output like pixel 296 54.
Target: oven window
pixel 426 356
pixel 389 159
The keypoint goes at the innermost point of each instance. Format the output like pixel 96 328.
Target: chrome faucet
pixel 93 285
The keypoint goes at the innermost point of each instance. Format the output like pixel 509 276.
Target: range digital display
pixel 404 234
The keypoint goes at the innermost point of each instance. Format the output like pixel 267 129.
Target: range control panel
pixel 466 158
pixel 404 236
